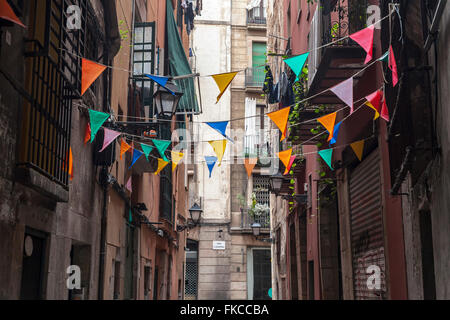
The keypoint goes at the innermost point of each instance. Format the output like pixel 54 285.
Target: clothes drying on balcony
pixel 253 4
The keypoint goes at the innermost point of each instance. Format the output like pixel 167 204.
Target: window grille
pixel 261 189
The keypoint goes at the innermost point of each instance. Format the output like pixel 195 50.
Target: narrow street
pixel 243 150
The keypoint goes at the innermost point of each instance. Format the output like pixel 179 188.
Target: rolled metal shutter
pixel 367 236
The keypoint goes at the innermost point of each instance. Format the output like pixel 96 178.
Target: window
pixel 144 62
pixel 258 62
pixel 256 13
pixel 262 129
pixel 52 79
pixel 261 189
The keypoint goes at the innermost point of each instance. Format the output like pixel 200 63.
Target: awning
pixel 253 4
pixel 179 66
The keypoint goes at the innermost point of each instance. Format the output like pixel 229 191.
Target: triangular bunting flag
pixel 70 164
pixel 161 146
pixel 220 127
pixel 97 119
pixel 285 157
pixel 328 122
pixel 7 13
pixel 250 164
pixel 358 148
pixel 297 63
pixel 219 147
pixel 162 81
pixel 130 216
pixel 393 66
pixel 136 155
pixel 124 147
pixel 90 71
pixel 291 162
pixel 176 158
pixel 87 134
pixel 161 165
pixel 374 101
pixel 280 118
pixel 211 162
pixel 147 150
pixel 364 38
pixel 344 91
pixel 326 156
pixel 335 133
pixel 223 81
pixel 129 186
pixel 109 137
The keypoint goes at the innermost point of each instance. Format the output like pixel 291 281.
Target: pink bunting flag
pixel 110 136
pixel 128 186
pixel 364 38
pixel 385 111
pixel 393 66
pixel 344 91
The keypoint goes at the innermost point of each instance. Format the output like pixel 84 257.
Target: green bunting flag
pixel 161 146
pixel 384 57
pixel 147 150
pixel 97 119
pixel 297 63
pixel 326 156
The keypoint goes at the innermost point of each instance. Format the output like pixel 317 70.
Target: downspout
pixel 110 50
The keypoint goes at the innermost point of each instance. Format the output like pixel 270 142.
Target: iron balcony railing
pixel 247 219
pixel 343 19
pixel 254 77
pixel 256 20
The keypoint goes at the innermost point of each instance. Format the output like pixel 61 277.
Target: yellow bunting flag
pixel 124 147
pixel 219 147
pixel 176 158
pixel 377 113
pixel 358 148
pixel 90 71
pixel 280 118
pixel 285 157
pixel 328 122
pixel 161 165
pixel 223 81
pixel 250 164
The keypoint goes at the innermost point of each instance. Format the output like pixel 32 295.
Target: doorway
pixel 259 274
pixel 426 241
pixel 33 265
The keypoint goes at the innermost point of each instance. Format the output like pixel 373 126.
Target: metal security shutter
pixel 366 219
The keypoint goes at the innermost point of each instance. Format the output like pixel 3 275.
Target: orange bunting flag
pixel 280 118
pixel 250 165
pixel 90 71
pixel 176 158
pixel 124 147
pixel 358 148
pixel 288 168
pixel 70 164
pixel 285 157
pixel 328 122
pixel 161 165
pixel 223 81
pixel 7 13
pixel 87 134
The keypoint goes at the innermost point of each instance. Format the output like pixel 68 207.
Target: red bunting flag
pixel 87 134
pixel 374 101
pixel 291 162
pixel 393 66
pixel 364 38
pixel 90 71
pixel 7 13
pixel 385 111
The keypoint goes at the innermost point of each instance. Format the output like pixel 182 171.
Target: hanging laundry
pixel 268 82
pixel 189 17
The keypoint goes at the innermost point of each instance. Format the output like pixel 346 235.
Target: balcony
pixel 247 219
pixel 254 77
pixel 256 20
pixel 342 59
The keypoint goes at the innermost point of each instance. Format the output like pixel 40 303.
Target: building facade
pixel 242 270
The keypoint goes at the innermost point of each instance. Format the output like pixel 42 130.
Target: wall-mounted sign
pixel 219 245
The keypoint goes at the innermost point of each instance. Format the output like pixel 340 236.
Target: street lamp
pixel 196 212
pixel 166 101
pixel 256 228
pixel 276 182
